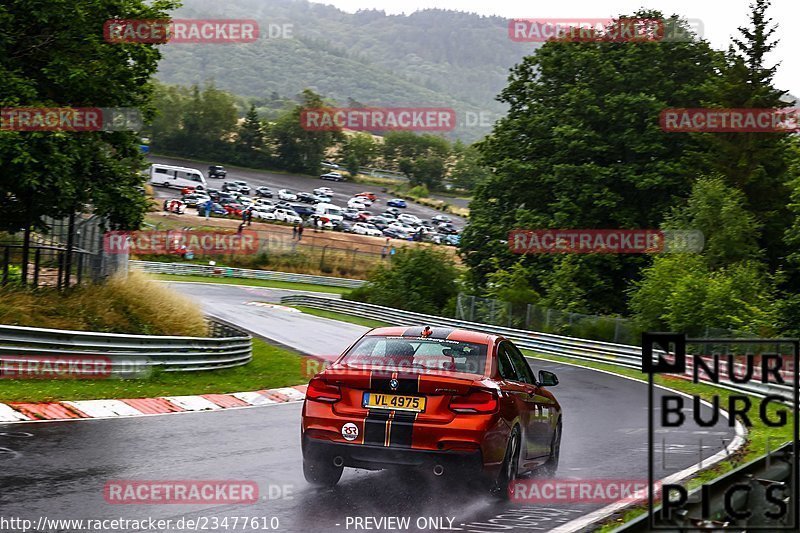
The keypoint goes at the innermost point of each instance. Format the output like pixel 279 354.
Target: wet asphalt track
pixel 59 469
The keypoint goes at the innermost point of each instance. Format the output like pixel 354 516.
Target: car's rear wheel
pixel 550 468
pixel 510 466
pixel 321 471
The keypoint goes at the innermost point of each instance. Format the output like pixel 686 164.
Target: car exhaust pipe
pixel 338 461
pixel 438 470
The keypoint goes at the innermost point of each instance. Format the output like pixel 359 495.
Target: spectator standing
pixel 300 232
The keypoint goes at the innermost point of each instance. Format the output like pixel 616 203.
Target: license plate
pixel 394 402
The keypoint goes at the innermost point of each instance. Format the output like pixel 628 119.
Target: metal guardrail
pixel 773 468
pixel 131 354
pixel 186 269
pixel 543 343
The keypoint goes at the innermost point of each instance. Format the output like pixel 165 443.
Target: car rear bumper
pixel 379 457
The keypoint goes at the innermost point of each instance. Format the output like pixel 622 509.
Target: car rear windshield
pixel 419 355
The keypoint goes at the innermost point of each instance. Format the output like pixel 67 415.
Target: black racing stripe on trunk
pixel 402 429
pixel 375 427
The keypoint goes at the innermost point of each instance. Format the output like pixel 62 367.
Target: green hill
pixel 428 58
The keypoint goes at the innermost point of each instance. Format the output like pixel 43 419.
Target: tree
pixel 720 212
pixel 298 149
pixel 468 170
pixel 251 134
pixel 399 145
pixel 209 120
pixel 361 149
pixel 724 287
pixel 581 147
pixel 54 55
pixel 681 293
pixel 429 171
pixel 755 163
pixel 419 279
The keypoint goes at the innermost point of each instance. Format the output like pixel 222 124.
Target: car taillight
pixel 477 401
pixel 320 391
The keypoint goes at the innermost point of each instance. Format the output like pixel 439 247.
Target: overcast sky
pixel 720 18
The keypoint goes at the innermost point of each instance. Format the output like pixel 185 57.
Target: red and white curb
pixel 79 409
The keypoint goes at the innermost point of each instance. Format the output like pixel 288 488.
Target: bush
pixel 420 191
pixel 419 279
pixel 132 304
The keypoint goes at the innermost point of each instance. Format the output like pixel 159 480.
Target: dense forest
pixel 428 58
pixel 594 156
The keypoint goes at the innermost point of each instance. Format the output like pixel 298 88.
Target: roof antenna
pixel 427 332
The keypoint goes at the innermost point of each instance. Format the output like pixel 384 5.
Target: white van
pixel 329 211
pixel 177 177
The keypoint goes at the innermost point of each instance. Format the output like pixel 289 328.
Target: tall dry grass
pixel 131 304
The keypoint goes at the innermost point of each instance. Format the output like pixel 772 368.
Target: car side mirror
pixel 547 379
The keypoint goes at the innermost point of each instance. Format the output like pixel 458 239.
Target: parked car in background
pixel 371 195
pixel 363 216
pixel 329 212
pixel 261 212
pixel 379 222
pixel 397 202
pixel 303 210
pixel 176 177
pixel 333 176
pixel 411 220
pixel 321 198
pixel 175 206
pixel 344 226
pixel 305 197
pixel 405 228
pixel 287 215
pixel 447 229
pixel 453 239
pixel 227 198
pixel 330 164
pixel 327 191
pixel 216 210
pixel 217 171
pixel 287 195
pixel 230 186
pixel 350 213
pixel 193 199
pixel 264 192
pixel 244 188
pixel 234 209
pixel 365 228
pixel 395 233
pixel 356 203
pixel 441 218
pixel 393 210
pixel 263 202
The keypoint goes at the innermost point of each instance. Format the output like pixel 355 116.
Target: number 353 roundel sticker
pixel 350 431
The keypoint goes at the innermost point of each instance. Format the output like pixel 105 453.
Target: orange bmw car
pixel 447 400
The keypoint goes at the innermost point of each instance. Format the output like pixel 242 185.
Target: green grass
pixel 271 367
pixel 342 317
pixel 254 283
pixel 759 439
